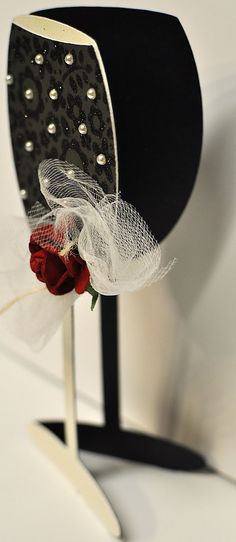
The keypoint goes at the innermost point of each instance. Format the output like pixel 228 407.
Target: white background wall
pixel 178 340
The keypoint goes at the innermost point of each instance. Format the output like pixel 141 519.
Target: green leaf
pixel 94 295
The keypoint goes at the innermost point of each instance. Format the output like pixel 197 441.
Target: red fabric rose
pixel 61 274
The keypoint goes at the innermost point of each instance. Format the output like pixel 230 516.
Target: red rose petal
pixel 82 281
pixel 37 264
pixel 57 279
pixel 64 285
pixel 60 274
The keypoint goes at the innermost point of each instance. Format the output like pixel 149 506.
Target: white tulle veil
pixel 110 235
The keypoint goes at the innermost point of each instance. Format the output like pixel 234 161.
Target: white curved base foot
pixel 79 476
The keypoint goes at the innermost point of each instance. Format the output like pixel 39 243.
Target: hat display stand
pixel 156 101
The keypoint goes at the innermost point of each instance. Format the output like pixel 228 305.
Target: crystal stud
pixel 91 93
pixel 101 159
pixel 39 59
pixel 29 94
pixel 52 128
pixel 29 146
pixel 9 79
pixel 23 193
pixel 69 59
pixel 82 129
pixel 53 94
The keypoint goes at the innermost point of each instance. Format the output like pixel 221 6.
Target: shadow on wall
pixel 199 238
pixel 202 411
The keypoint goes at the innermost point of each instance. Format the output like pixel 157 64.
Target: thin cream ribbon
pixel 10 304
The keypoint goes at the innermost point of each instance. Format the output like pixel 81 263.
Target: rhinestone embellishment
pixel 52 128
pixel 39 59
pixel 69 59
pixel 9 79
pixel 29 146
pixel 101 159
pixel 91 93
pixel 53 94
pixel 29 94
pixel 82 129
pixel 23 194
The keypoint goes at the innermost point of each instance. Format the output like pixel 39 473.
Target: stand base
pixel 76 472
pixel 133 446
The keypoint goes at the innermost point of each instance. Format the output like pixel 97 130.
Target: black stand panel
pixel 134 447
pixel 111 439
pixel 109 330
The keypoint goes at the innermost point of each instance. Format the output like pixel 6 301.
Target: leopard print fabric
pixel 29 119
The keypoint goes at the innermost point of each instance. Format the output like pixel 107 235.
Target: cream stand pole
pixel 71 435
pixel 66 455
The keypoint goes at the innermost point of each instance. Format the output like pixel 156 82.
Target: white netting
pixel 110 235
